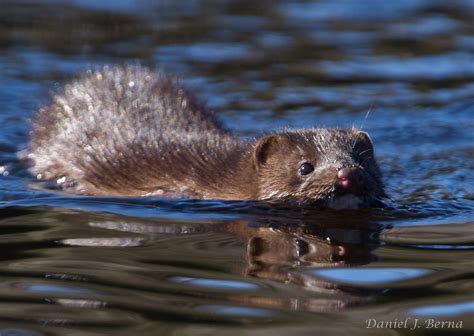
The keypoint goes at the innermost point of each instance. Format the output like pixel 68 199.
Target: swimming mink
pixel 126 131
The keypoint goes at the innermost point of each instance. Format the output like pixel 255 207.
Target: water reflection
pixel 327 257
pixel 257 263
pixel 371 276
pixel 270 252
pixel 245 268
pixel 445 310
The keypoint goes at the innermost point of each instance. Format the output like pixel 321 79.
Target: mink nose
pixel 349 179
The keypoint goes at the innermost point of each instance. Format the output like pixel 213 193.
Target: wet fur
pixel 128 131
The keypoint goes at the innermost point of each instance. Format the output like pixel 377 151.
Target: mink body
pixel 125 131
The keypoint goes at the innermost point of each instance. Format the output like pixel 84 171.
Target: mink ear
pixel 364 138
pixel 265 147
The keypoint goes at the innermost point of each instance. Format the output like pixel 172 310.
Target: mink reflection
pixel 272 252
pixel 280 252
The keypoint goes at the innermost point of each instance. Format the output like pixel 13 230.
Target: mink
pixel 127 131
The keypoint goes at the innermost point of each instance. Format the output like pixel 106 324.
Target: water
pixel 74 265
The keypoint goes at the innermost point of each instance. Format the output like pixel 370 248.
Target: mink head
pixel 332 168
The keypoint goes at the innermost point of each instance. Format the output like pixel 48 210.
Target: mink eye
pixel 305 168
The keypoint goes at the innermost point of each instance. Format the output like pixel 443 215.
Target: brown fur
pixel 127 131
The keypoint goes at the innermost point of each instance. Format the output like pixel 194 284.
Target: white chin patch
pixel 345 202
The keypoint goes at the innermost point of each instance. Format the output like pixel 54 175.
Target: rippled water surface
pixel 72 265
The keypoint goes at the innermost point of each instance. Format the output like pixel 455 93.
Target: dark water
pixel 81 265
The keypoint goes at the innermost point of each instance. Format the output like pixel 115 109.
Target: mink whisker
pixel 363 123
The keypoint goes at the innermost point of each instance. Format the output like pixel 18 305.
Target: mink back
pixel 109 117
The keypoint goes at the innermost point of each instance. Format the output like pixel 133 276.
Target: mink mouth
pixel 345 201
pixel 353 201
